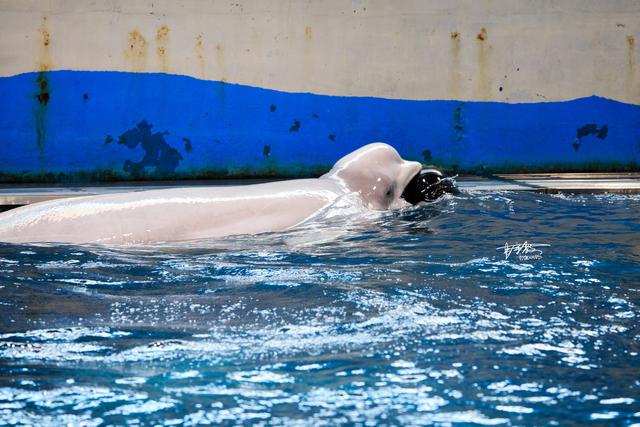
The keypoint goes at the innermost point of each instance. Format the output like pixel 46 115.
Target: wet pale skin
pixel 375 173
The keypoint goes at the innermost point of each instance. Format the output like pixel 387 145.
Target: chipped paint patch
pixel 295 127
pixel 592 129
pixel 40 114
pixel 458 126
pixel 188 146
pixel 159 157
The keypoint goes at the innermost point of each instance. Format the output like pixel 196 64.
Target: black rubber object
pixel 427 186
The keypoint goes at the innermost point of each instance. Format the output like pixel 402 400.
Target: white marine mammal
pixel 375 173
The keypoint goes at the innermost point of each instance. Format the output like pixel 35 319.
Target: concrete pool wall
pixel 121 90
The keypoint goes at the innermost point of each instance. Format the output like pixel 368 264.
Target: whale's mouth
pixel 427 186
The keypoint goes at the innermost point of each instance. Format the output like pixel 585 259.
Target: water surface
pixel 411 317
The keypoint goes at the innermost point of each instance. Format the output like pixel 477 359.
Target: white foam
pixel 618 401
pixel 514 409
pixel 260 377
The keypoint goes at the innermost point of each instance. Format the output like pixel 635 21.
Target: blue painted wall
pixel 115 125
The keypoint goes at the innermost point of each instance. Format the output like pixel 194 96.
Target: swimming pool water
pixel 409 317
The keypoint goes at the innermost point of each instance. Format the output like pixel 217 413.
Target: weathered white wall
pixel 440 49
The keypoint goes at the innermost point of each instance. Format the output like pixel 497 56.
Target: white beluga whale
pixel 374 175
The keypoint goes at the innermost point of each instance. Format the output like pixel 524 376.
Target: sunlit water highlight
pixel 410 317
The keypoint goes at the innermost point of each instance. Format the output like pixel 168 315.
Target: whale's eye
pixel 389 192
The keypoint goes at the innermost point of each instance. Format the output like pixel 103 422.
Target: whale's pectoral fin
pixel 428 185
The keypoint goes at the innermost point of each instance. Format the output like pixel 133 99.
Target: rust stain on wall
pixel 220 54
pixel 455 74
pixel 482 35
pixel 631 43
pixel 483 77
pixel 199 48
pixel 308 56
pixel 136 51
pixel 44 57
pixel 220 73
pixel 162 42
pixel 42 94
pixel 46 36
pixel 220 62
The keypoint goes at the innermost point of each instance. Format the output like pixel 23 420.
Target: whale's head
pixel 376 172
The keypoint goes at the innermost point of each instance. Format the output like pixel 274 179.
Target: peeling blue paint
pixel 188 147
pixel 592 129
pixel 229 126
pixel 295 127
pixel 158 154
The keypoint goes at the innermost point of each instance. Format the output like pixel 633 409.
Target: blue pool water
pixel 410 317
